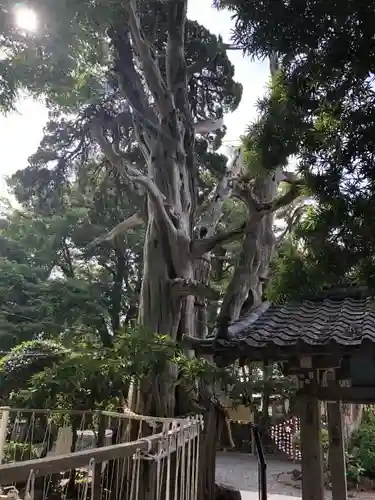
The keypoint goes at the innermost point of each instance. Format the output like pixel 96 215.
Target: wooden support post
pixel 311 450
pixel 100 441
pixel 5 411
pixel 336 455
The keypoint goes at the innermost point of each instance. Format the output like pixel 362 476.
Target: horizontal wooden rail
pixel 19 471
pixel 48 411
pixel 145 418
pixel 14 472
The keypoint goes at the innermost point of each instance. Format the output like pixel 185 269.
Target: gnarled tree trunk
pixel 177 258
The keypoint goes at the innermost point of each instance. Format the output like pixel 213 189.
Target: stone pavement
pixel 241 471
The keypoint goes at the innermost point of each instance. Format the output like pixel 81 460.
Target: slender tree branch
pixel 282 201
pixel 133 89
pixel 184 288
pixel 134 174
pixel 243 191
pixel 175 61
pixel 151 69
pixel 292 223
pixel 205 245
pixel 118 231
pixel 211 209
pixel 208 126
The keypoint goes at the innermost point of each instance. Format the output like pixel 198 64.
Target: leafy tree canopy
pixel 325 52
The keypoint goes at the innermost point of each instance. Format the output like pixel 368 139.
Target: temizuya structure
pixel 328 343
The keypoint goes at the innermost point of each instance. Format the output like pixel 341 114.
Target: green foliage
pixel 354 468
pixel 365 444
pixel 324 114
pixel 275 135
pixel 27 358
pixel 19 452
pixel 87 376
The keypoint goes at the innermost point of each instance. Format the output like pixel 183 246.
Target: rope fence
pixel 97 455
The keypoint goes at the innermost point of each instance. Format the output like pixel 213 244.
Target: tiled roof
pixel 346 322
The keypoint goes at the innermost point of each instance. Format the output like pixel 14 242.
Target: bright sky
pixel 22 131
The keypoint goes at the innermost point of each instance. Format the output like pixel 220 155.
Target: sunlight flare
pixel 25 18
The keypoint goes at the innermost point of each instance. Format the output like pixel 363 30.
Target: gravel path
pixel 241 471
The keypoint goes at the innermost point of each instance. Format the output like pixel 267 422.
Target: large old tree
pixel 148 90
pixel 327 53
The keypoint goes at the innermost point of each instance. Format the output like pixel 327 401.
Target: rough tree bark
pixel 352 418
pixel 165 132
pixel 177 258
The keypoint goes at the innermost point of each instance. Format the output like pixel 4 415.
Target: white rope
pixel 168 478
pixel 91 469
pixel 178 435
pixel 193 458
pixel 30 486
pixel 188 465
pixel 182 468
pixel 200 425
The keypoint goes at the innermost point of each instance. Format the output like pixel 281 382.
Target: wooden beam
pixel 19 471
pixel 311 451
pixel 361 395
pixel 336 451
pixel 293 365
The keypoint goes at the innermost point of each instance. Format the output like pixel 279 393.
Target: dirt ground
pixel 241 471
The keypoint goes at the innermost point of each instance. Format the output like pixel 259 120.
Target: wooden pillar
pixel 311 450
pixel 5 412
pixel 336 452
pixel 98 467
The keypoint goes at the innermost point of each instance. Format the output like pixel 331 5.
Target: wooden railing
pixel 20 471
pixel 179 437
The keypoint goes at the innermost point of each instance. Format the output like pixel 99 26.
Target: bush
pixel 18 452
pixel 354 469
pixel 365 452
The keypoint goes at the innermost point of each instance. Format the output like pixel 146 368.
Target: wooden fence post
pixel 311 450
pixel 5 411
pixel 336 452
pixel 100 441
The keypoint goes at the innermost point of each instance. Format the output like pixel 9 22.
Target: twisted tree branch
pixel 131 222
pixel 134 174
pixel 292 223
pixel 205 245
pixel 212 214
pixel 183 288
pixel 175 62
pixel 151 69
pixel 282 201
pixel 132 87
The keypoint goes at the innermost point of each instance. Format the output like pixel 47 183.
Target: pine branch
pixel 199 65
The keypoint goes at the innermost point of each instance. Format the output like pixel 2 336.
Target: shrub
pixel 18 452
pixel 366 444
